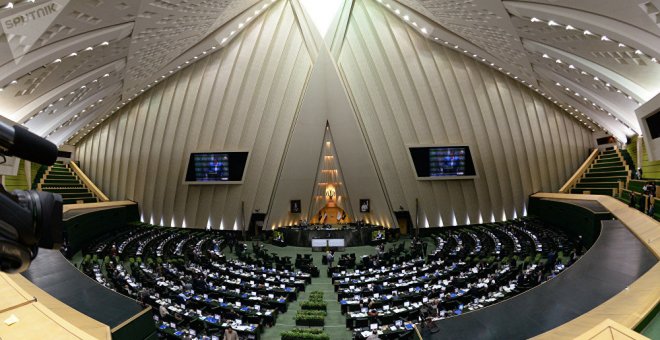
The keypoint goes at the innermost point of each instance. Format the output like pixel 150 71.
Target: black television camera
pixel 28 219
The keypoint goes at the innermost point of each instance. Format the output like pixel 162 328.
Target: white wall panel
pixel 405 90
pixel 409 90
pixel 243 96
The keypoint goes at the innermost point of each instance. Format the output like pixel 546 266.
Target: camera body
pixel 28 219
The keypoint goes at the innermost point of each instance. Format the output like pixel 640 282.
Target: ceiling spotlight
pixel 621 45
pixel 534 20
pixel 605 38
pixel 546 56
pixel 569 27
pixel 586 32
pixel 552 23
pixel 638 52
pixel 105 43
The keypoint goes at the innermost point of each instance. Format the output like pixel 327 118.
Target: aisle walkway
pixel 335 322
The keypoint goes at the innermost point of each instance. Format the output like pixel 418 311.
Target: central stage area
pixel 352 236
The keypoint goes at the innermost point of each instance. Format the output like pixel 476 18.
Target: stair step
pixel 593 191
pixel 607 174
pixel 79 195
pixel 605 178
pixel 78 190
pixel 608 158
pixel 612 185
pixel 607 169
pixel 61 182
pixel 54 169
pixel 608 163
pixel 76 201
pixel 61 177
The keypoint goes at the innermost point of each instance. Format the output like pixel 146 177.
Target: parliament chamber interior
pixel 336 169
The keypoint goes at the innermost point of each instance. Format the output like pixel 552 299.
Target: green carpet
pixel 335 322
pixel 652 330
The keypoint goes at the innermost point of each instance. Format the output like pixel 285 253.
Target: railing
pixel 630 307
pixel 625 164
pixel 578 174
pixel 40 316
pixel 95 190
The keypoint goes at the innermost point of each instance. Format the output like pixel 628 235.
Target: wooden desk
pixel 49 319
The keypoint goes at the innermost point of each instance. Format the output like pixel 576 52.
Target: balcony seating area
pixel 642 200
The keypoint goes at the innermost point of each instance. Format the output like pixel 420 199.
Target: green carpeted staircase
pixel 59 179
pixel 604 175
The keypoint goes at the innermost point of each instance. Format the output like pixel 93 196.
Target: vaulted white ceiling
pixel 62 75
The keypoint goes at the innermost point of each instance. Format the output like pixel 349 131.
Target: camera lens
pixel 46 210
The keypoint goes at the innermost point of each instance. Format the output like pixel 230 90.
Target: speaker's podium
pixel 335 237
pixel 322 244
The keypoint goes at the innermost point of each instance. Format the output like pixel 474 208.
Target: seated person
pixel 162 310
pixel 373 336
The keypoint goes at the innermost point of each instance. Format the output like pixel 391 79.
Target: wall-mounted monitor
pixel 442 162
pixel 648 117
pixel 653 124
pixel 221 167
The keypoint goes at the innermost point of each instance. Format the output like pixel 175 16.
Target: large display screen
pixel 442 162
pixel 216 167
pixel 653 123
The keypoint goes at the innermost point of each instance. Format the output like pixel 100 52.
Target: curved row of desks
pixel 612 263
